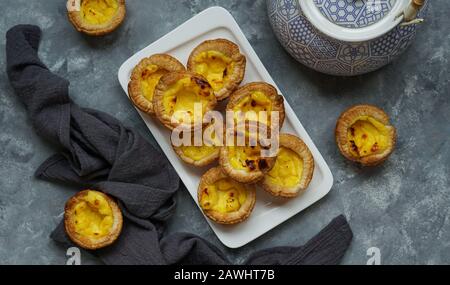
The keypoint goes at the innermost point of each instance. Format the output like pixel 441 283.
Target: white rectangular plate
pixel 269 212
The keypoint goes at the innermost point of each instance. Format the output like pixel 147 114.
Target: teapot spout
pixel 411 12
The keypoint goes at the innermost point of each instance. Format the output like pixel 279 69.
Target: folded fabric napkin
pixel 98 152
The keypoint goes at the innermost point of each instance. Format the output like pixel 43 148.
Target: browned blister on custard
pixel 223 199
pixel 92 219
pixel 364 135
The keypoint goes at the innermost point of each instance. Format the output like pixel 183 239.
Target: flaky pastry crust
pixel 264 164
pixel 83 26
pixel 198 163
pixel 210 177
pixel 347 119
pixel 163 61
pixel 229 49
pixel 87 242
pixel 296 145
pixel 271 92
pixel 165 83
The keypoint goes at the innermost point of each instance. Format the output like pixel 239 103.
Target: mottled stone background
pixel 402 207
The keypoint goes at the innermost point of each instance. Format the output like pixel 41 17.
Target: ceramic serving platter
pixel 269 211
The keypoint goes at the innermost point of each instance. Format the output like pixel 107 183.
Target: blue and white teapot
pixel 345 37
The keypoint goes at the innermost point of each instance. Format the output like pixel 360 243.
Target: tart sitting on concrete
pixel 364 135
pixel 96 17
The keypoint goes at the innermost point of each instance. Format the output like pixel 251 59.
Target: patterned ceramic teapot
pixel 345 37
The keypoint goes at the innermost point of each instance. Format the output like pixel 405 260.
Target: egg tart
pixel 199 156
pixel 293 169
pixel 92 219
pixel 221 63
pixel 145 76
pixel 245 163
pixel 176 96
pixel 224 200
pixel 96 17
pixel 255 97
pixel 364 135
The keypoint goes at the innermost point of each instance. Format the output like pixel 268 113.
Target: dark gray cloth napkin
pixel 97 151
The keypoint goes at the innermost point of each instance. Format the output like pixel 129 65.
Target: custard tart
pixel 245 162
pixel 221 63
pixel 96 17
pixel 145 76
pixel 201 155
pixel 181 99
pixel 256 97
pixel 92 219
pixel 293 169
pixel 224 200
pixel 364 135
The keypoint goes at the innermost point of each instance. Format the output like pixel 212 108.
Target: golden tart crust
pixel 178 91
pixel 364 135
pixel 257 96
pixel 90 198
pixel 103 26
pixel 221 63
pixel 198 155
pixel 204 159
pixel 232 198
pixel 298 158
pixel 245 163
pixel 146 75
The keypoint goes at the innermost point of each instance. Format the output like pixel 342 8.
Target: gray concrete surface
pixel 401 207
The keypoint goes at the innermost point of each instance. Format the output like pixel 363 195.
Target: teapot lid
pixel 354 20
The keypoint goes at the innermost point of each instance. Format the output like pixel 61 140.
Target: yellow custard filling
pixel 208 147
pixel 257 101
pixel 93 216
pixel 98 11
pixel 180 99
pixel 215 67
pixel 198 152
pixel 223 196
pixel 246 158
pixel 367 136
pixel 288 168
pixel 150 78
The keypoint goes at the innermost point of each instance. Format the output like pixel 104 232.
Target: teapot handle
pixel 410 13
